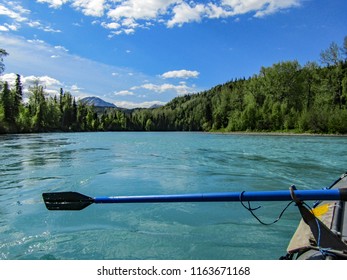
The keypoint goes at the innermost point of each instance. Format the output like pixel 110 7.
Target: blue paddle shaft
pixel 335 194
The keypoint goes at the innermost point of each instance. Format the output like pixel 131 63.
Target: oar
pixel 77 201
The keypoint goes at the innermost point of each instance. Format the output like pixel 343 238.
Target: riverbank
pixel 278 133
pixel 263 133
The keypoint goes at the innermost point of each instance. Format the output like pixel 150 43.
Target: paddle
pixel 77 201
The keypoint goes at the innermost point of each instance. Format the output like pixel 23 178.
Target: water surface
pixel 102 164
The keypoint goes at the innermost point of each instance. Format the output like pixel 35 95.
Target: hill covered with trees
pixel 284 97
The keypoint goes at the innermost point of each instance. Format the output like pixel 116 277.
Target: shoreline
pixel 277 133
pixel 254 133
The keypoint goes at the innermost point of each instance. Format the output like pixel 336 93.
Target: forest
pixel 285 97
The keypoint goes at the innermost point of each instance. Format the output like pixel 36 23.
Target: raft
pixel 312 240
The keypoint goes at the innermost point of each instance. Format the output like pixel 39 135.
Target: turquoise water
pixel 102 164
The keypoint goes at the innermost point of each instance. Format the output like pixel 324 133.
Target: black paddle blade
pixel 66 201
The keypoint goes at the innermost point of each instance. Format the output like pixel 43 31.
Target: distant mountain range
pixel 97 102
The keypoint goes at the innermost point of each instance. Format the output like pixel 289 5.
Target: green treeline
pixel 283 97
pixel 43 113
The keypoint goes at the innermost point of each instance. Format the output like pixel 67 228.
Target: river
pixel 141 163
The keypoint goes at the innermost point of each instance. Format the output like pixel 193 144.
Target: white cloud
pixel 10 78
pixel 61 48
pixel 90 7
pixel 130 23
pixel 19 17
pixel 45 81
pixel 111 25
pixel 115 33
pixel 8 27
pixel 185 74
pixel 129 15
pixel 75 88
pixel 140 9
pixel 214 11
pixel 123 93
pixel 50 29
pixel 129 31
pixel 12 27
pixel 133 105
pixel 53 3
pixel 36 41
pixel 260 7
pixel 143 13
pixel 180 89
pixel 34 24
pixel 51 85
pixel 4 28
pixel 14 11
pixel 184 13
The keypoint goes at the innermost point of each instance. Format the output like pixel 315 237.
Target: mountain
pixel 97 102
pixel 155 106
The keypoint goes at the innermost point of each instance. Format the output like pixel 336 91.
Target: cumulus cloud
pixel 10 78
pixel 180 89
pixel 129 15
pixel 178 12
pixel 31 80
pixel 183 74
pixel 75 88
pixel 184 13
pixel 140 9
pixel 90 7
pixel 45 81
pixel 51 85
pixel 111 25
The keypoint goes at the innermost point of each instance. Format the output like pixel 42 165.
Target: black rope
pixel 251 210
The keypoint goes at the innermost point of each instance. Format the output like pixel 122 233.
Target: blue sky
pixel 141 52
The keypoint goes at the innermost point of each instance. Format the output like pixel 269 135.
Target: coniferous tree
pixel 3 53
pixel 17 97
pixel 7 104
